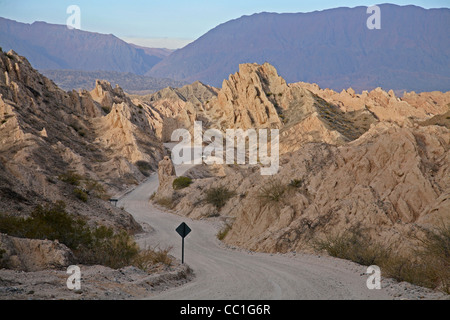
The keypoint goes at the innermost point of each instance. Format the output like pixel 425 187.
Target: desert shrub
pixel 144 167
pixel 70 177
pixel 434 257
pixel 95 189
pixel 114 250
pixel 151 256
pixel 428 266
pixel 181 183
pixel 218 196
pixel 81 194
pixel 99 245
pixel 353 245
pixel 166 202
pixel 223 233
pixel 296 183
pixel 271 192
pixel 52 223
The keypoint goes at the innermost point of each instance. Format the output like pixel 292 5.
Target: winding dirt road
pixel 224 273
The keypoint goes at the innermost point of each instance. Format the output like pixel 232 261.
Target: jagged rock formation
pixel 177 107
pixel 256 97
pixel 386 106
pixel 47 133
pixel 391 180
pixel 373 160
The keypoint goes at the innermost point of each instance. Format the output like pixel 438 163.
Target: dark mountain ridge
pixel 333 48
pixel 53 47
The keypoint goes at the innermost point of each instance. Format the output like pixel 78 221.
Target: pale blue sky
pixel 173 23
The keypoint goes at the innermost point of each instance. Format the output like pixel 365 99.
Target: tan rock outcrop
pixel 166 175
pixel 392 181
pixel 386 105
pixel 34 255
pixel 46 133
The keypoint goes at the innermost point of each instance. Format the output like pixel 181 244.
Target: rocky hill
pixel 333 48
pixel 371 160
pixel 52 141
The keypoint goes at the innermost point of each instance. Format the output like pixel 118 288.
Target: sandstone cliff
pixel 48 136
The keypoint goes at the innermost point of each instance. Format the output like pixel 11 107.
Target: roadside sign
pixel 183 230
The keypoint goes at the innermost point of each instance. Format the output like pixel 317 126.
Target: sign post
pixel 183 230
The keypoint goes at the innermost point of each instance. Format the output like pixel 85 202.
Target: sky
pixel 167 23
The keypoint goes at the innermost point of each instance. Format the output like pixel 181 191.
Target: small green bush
pixel 352 245
pixel 114 250
pixel 219 196
pixel 95 189
pixel 181 183
pixel 52 223
pixel 99 245
pixel 271 192
pixel 80 194
pixel 70 177
pixel 223 233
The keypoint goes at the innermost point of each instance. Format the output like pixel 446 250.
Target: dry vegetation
pixel 428 265
pixel 218 196
pixel 90 245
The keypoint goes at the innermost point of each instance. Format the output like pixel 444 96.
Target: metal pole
pixel 182 251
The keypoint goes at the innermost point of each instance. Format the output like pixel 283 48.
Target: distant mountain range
pixel 53 47
pixel 333 48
